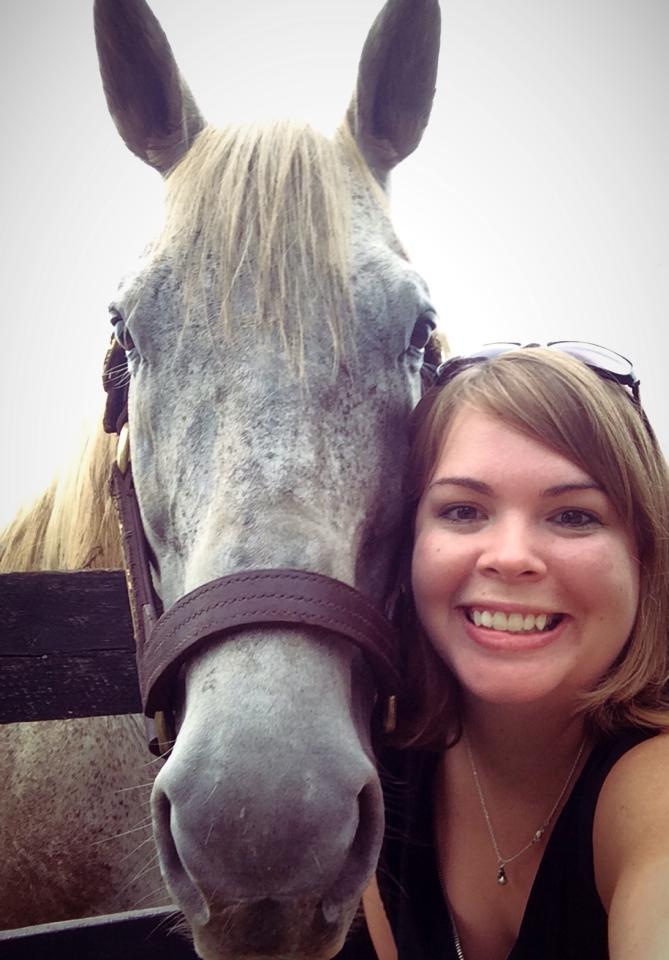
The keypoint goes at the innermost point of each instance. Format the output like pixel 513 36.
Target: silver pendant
pixel 501 876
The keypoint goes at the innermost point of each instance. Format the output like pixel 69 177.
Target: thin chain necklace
pixel 538 834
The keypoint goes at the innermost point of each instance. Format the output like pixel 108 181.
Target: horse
pixel 272 339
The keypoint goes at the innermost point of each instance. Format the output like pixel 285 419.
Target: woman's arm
pixel 377 922
pixel 631 852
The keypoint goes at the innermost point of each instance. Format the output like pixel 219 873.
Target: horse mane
pixel 72 525
pixel 271 201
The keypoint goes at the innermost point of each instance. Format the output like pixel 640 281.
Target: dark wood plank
pixel 66 646
pixel 73 610
pixel 59 686
pixel 136 935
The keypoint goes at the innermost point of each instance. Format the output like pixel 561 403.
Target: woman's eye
pixel 576 518
pixel 461 513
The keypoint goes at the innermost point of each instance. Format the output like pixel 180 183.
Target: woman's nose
pixel 512 550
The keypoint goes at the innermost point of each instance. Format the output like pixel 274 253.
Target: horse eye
pixel 122 336
pixel 423 329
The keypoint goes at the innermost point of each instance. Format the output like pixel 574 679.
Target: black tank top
pixel 564 918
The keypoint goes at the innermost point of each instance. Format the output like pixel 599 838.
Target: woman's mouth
pixel 515 622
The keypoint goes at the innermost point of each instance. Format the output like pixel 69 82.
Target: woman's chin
pixel 514 685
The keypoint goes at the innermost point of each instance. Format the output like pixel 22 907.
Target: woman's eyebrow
pixel 561 488
pixel 469 482
pixel 478 486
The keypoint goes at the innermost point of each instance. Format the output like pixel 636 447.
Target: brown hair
pixel 592 421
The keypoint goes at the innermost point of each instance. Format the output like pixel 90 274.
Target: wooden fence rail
pixel 66 646
pixel 136 935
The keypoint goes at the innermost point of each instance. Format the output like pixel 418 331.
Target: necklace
pixel 538 834
pixel 456 939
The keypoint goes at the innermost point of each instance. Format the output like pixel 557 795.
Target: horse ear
pixel 153 109
pixel 396 83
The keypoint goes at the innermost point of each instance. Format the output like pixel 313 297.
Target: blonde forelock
pixel 258 223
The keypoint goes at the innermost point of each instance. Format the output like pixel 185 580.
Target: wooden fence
pixel 66 650
pixel 66 646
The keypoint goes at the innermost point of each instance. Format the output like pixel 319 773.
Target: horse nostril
pixel 363 853
pixel 180 883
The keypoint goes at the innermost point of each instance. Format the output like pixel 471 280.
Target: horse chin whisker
pixel 145 825
pixel 144 871
pixel 155 761
pixel 138 786
pixel 155 894
pixel 179 925
pixel 136 849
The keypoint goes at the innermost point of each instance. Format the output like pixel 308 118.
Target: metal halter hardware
pixel 215 610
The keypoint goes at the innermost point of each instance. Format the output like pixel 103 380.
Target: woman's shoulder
pixel 632 813
pixel 637 775
pixel 631 850
pixel 640 747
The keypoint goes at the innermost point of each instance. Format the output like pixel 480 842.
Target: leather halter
pixel 220 608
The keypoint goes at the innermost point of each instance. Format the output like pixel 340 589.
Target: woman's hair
pixel 559 401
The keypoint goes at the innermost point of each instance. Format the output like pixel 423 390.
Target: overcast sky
pixel 537 206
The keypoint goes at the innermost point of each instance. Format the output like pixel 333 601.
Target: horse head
pixel 273 336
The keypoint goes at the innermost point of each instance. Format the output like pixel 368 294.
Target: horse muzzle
pixel 268 815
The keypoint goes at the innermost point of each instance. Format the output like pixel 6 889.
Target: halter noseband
pixel 213 611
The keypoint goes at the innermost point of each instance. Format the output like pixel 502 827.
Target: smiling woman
pixel 538 665
pixel 501 512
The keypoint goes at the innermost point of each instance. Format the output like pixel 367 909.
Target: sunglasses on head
pixel 605 362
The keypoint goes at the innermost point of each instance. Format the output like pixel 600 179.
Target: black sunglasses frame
pixel 620 370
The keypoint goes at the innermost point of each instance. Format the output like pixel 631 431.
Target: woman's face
pixel 524 576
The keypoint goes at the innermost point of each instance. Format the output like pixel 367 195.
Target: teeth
pixel 513 622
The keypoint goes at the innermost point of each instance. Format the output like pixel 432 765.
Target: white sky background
pixel 537 206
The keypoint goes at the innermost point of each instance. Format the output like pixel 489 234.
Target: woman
pixel 530 816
